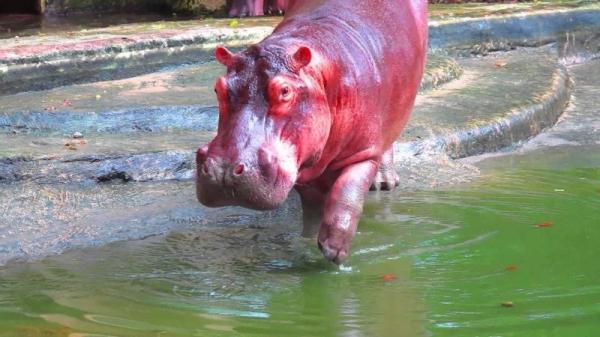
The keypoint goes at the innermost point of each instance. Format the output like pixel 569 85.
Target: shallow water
pixel 425 263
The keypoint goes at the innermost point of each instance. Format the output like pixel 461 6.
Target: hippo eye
pixel 285 94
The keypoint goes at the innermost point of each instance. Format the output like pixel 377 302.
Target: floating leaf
pixel 389 277
pixel 545 224
pixel 234 23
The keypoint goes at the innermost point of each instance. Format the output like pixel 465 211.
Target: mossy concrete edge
pixel 517 126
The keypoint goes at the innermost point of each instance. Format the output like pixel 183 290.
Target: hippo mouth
pixel 262 185
pixel 260 197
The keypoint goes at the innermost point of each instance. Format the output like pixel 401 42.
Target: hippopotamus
pixel 316 106
pixel 255 7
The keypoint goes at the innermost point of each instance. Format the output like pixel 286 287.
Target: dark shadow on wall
pixel 21 6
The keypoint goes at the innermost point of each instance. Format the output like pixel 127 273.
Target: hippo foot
pixel 333 250
pixel 385 180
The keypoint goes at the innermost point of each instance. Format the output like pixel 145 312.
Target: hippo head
pixel 273 121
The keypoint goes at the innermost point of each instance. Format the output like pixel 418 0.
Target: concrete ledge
pixel 135 119
pixel 519 125
pixel 158 166
pixel 504 32
pixel 33 68
pixel 110 59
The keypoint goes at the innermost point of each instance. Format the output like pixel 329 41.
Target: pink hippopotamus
pixel 255 7
pixel 316 106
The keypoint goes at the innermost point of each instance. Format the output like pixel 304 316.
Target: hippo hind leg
pixel 313 204
pixel 386 178
pixel 241 8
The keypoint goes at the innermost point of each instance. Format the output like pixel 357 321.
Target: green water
pixel 426 263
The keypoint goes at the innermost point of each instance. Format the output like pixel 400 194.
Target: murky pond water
pixel 425 263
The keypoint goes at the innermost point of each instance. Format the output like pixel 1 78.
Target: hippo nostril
pixel 239 169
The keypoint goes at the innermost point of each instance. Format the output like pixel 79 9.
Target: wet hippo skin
pixel 316 106
pixel 255 7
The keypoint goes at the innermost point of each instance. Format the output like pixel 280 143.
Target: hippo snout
pixel 258 181
pixel 218 170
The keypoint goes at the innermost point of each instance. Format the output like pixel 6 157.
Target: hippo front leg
pixel 386 178
pixel 343 207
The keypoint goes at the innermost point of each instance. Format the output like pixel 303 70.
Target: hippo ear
pixel 224 56
pixel 302 58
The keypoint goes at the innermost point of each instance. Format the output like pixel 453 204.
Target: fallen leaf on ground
pixel 501 63
pixel 511 267
pixel 73 144
pixel 545 224
pixel 507 304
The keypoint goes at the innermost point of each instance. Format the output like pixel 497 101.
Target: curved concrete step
pixel 499 101
pixel 181 98
pixel 175 98
pixel 35 63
